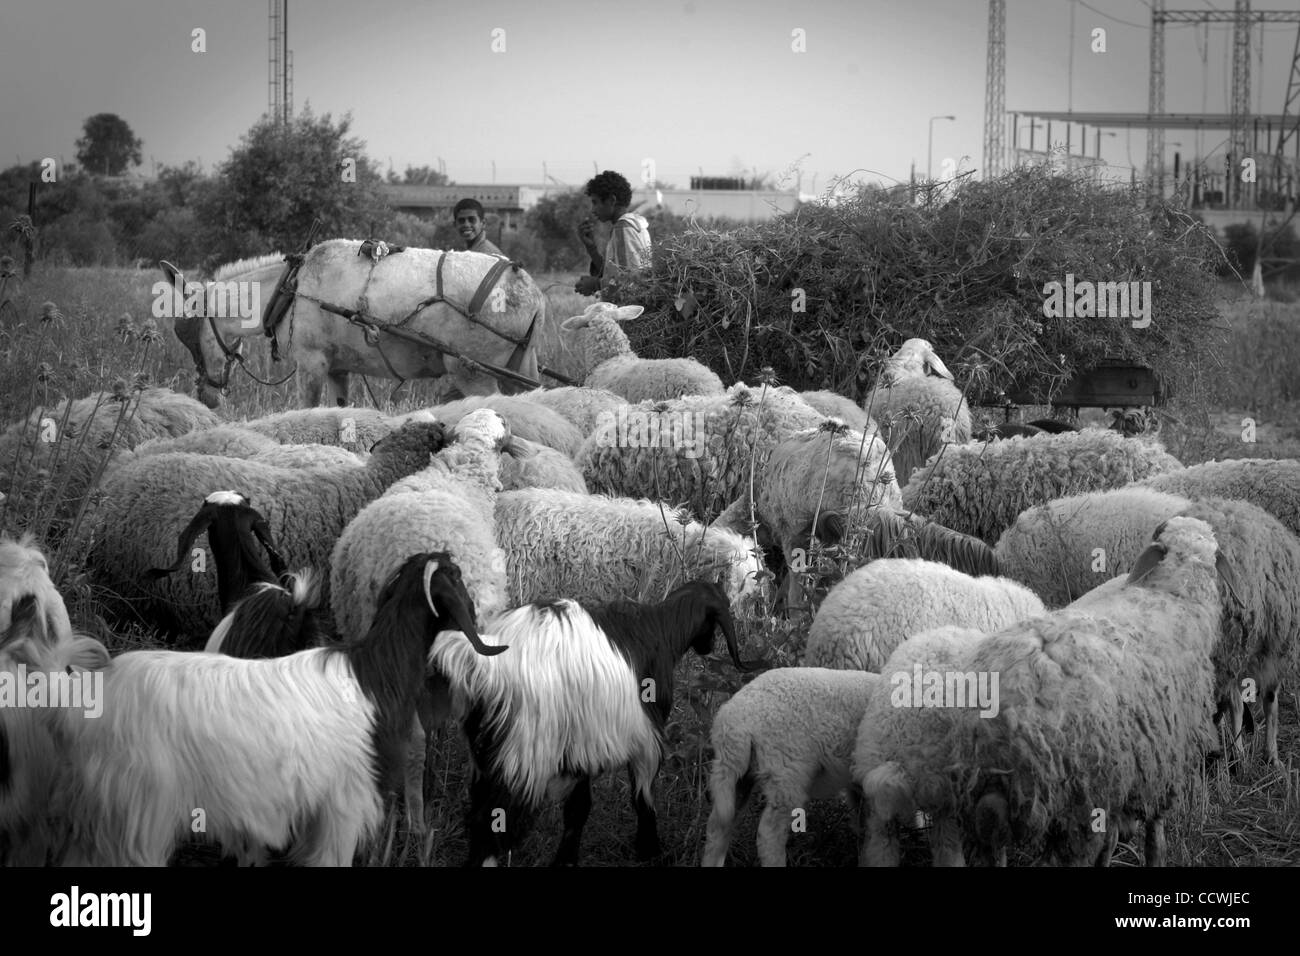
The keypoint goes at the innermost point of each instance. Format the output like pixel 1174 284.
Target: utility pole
pixel 995 91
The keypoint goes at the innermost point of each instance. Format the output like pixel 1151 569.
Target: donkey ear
pixel 1147 561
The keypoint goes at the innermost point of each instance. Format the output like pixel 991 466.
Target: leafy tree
pixel 107 145
pixel 420 176
pixel 554 220
pixel 283 176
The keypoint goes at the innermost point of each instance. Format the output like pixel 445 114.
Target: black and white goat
pixel 580 692
pixel 266 612
pixel 296 751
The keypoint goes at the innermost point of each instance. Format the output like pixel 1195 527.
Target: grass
pixel 1249 820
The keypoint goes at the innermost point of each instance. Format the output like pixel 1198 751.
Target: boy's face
pixel 604 208
pixel 469 225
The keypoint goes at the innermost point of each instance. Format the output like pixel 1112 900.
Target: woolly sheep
pixel 582 406
pixel 43 452
pixel 543 468
pixel 702 450
pixel 1054 550
pixel 872 611
pixel 228 441
pixel 356 429
pixel 1101 706
pixel 581 691
pixel 527 419
pixel 306 512
pixel 835 405
pixel 597 549
pixel 261 745
pixel 979 488
pixel 792 731
pixel 308 456
pixel 612 365
pixel 899 754
pixel 918 413
pixel 1271 485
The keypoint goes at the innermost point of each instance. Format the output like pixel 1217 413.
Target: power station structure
pixel 1218 179
pixel 279 82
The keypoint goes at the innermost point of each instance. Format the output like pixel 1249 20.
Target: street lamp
pixel 929 148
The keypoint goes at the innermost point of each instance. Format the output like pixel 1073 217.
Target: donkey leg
pixel 337 389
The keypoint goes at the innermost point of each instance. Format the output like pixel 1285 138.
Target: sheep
pixel 703 450
pixel 978 489
pixel 835 405
pixel 1007 430
pixel 308 456
pixel 1271 485
pixel 918 413
pixel 1065 547
pixel 228 441
pixel 297 750
pixel 580 405
pixel 528 420
pixel 899 749
pixel 355 429
pixel 35 636
pixel 543 468
pixel 581 691
pixel 596 549
pixel 792 731
pixel 1101 707
pixel 612 365
pixel 872 611
pixel 305 510
pixel 46 452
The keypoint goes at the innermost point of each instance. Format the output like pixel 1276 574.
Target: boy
pixel 628 249
pixel 473 228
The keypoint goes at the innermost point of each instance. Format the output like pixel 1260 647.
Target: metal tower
pixel 995 91
pixel 1240 91
pixel 1156 101
pixel 280 67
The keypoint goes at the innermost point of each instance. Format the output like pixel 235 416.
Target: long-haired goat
pixel 580 692
pixel 34 636
pixel 266 612
pixel 298 750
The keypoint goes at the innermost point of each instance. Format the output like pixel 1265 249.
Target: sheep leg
pixel 945 842
pixel 576 810
pixel 336 392
pixel 774 831
pixel 1270 724
pixel 881 847
pixel 1109 840
pixel 728 800
pixel 647 826
pixel 1156 847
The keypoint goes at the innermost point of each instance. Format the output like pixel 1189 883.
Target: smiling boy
pixel 472 227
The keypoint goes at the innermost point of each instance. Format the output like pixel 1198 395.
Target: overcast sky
pixel 692 84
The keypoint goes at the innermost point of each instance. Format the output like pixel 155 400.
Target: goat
pixel 580 692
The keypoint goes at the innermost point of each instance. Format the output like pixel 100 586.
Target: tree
pixel 554 220
pixel 420 176
pixel 283 176
pixel 107 145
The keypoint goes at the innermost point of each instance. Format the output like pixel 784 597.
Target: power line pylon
pixel 995 91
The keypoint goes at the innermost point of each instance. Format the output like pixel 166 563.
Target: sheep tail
pixel 734 755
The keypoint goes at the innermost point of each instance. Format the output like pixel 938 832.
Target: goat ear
pixel 1224 568
pixel 25 620
pixel 88 654
pixel 1147 561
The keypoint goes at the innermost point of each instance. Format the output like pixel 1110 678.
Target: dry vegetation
pixel 93 339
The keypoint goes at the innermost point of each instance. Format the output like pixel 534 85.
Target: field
pixel 99 330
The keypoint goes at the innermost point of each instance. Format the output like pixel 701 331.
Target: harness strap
pixel 485 287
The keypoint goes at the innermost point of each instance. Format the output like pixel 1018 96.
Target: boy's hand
pixel 587 233
pixel 587 285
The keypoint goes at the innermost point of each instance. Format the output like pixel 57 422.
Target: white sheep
pixel 835 405
pixel 597 549
pixel 543 467
pixel 871 612
pixel 582 406
pixel 1069 546
pixel 979 488
pixel 52 456
pixel 703 450
pixel 899 753
pixel 791 731
pixel 581 691
pixel 1102 707
pixel 147 501
pixel 527 419
pixel 298 751
pixel 918 412
pixel 355 429
pixel 611 364
pixel 1273 485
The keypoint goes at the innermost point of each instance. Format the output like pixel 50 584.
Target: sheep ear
pixel 25 619
pixel 830 528
pixel 88 654
pixel 575 323
pixel 628 312
pixel 1147 561
pixel 735 517
pixel 935 364
pixel 519 448
pixel 1229 577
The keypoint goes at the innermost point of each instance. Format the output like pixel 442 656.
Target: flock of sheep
pixel 1071 615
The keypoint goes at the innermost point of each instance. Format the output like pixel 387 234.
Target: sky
pixel 696 86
